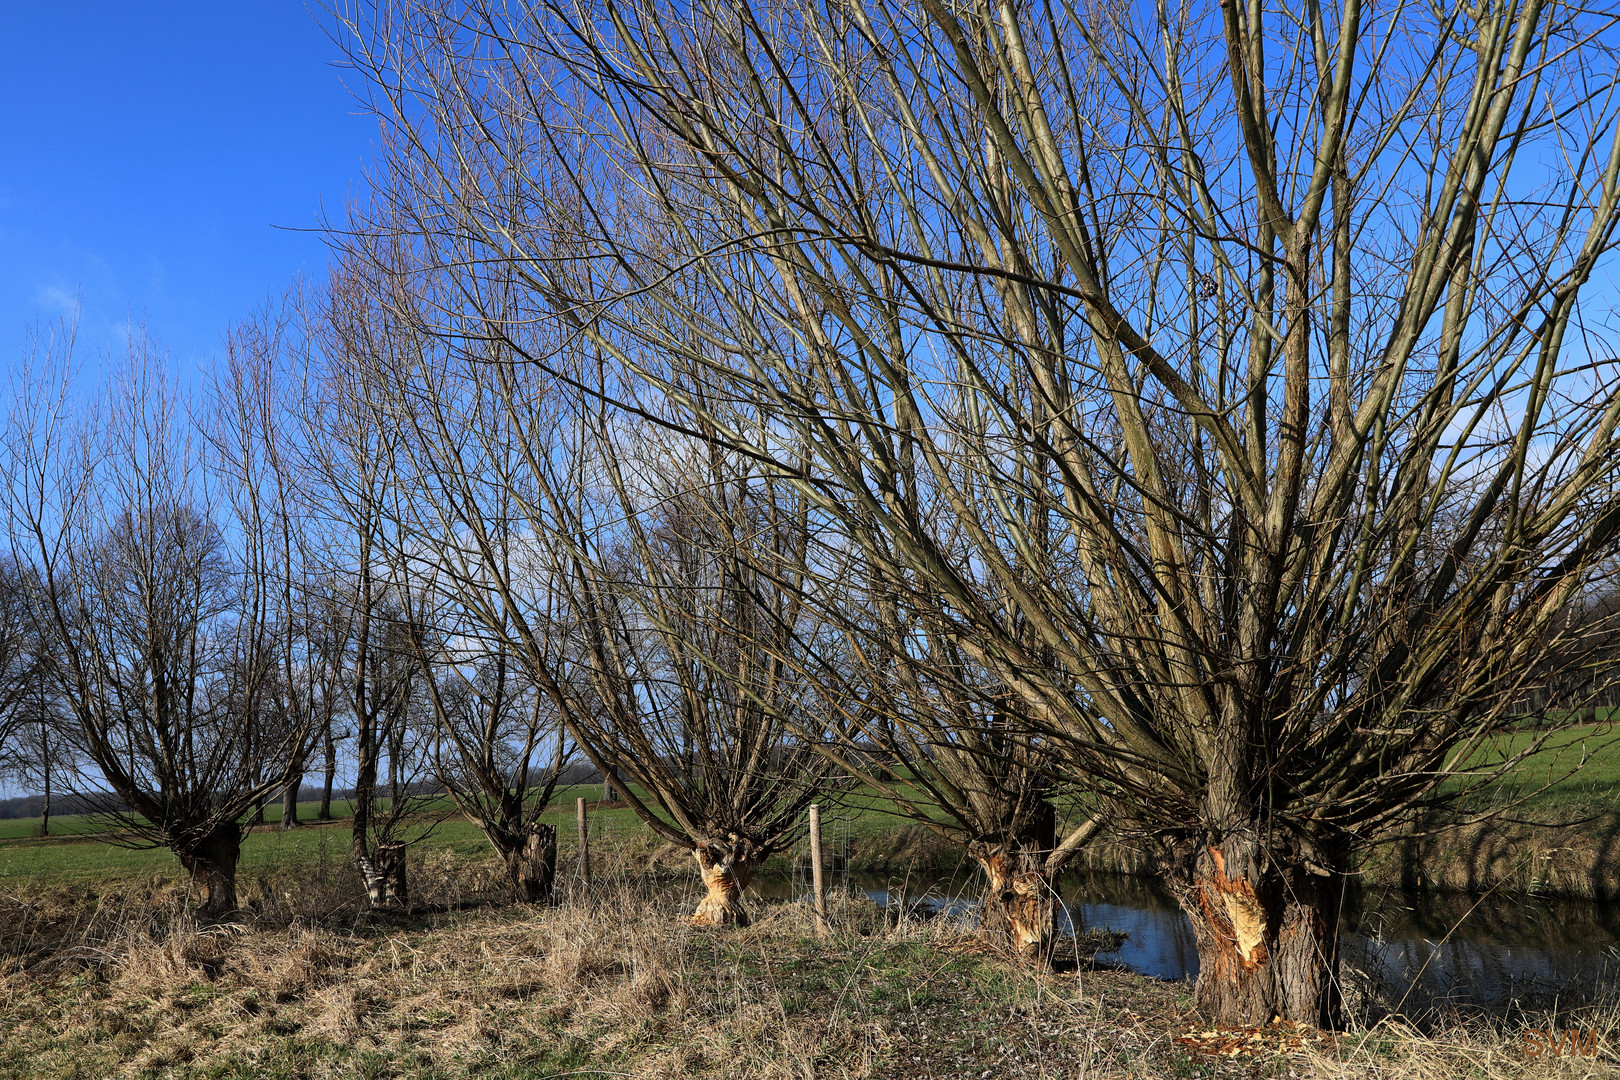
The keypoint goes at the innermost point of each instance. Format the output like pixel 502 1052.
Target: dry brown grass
pixel 616 983
pixel 133 984
pixel 1392 1050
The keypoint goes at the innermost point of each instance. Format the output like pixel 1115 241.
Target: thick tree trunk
pixel 383 872
pixel 1266 926
pixel 532 865
pixel 45 807
pixel 289 802
pixel 366 857
pixel 325 812
pixel 726 871
pixel 1019 907
pixel 211 862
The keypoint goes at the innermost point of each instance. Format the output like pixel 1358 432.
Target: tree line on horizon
pixel 1203 417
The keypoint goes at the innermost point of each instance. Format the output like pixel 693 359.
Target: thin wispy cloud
pixel 56 299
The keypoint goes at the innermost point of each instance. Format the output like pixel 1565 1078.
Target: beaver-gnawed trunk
pixel 531 864
pixel 384 875
pixel 1019 907
pixel 727 869
pixel 211 862
pixel 1266 924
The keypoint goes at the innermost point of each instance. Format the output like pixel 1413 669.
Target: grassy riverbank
pixel 1559 835
pixel 613 983
pixel 1555 831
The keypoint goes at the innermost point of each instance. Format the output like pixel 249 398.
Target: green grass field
pixel 80 849
pixel 1577 773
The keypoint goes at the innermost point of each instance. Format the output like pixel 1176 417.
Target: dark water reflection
pixel 1411 953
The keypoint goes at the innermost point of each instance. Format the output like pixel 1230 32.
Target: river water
pixel 1414 954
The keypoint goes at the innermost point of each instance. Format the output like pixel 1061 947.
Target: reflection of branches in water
pixel 1504 956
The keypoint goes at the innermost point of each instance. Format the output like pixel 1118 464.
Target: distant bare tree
pixel 24 742
pixel 152 645
pixel 499 750
pixel 33 751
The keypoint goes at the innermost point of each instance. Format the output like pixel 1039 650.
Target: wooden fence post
pixel 584 844
pixel 817 882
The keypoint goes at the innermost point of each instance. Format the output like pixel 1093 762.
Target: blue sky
pixel 147 153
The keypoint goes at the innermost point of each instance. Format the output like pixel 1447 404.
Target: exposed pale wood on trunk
pixel 817 884
pixel 1267 938
pixel 1020 900
pixel 726 872
pixel 384 875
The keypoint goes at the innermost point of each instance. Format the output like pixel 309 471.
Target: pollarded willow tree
pixel 950 745
pixel 1259 325
pixel 370 629
pixel 161 635
pixel 24 719
pixel 693 619
pixel 644 584
pixel 499 751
